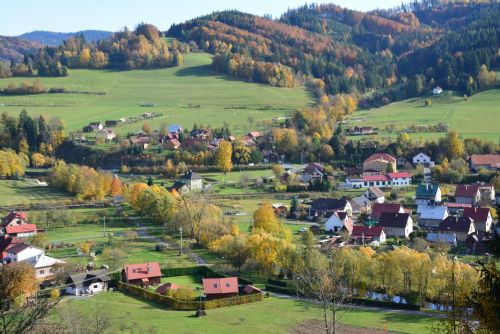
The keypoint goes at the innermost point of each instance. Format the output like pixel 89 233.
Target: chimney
pixel 149 268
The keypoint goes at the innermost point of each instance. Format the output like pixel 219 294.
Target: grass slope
pixel 269 316
pixel 20 192
pixel 173 90
pixel 478 116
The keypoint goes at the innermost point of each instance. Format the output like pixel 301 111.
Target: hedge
pixel 276 282
pixel 280 289
pixel 188 305
pixel 383 303
pixel 203 271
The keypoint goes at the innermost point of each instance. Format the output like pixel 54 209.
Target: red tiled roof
pixel 477 214
pixel 381 156
pixel 163 289
pixel 220 285
pixel 492 160
pixel 9 242
pixel 379 208
pixel 140 271
pixel 374 178
pixel 25 228
pixel 466 190
pixel 457 205
pixel 399 175
pixel 13 215
pixel 375 231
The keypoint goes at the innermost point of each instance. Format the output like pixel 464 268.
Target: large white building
pixel 399 179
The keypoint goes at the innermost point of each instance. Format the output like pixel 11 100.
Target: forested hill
pixel 416 46
pixel 57 38
pixel 15 47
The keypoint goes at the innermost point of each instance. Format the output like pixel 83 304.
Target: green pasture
pixel 192 93
pixel 272 315
pixel 21 192
pixel 477 116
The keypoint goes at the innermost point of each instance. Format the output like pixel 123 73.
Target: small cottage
pixel 87 283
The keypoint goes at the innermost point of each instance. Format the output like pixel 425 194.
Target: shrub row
pixel 203 271
pixel 188 305
pixel 384 303
pixel 281 290
pixel 277 282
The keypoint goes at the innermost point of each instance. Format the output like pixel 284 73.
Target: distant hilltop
pixel 56 38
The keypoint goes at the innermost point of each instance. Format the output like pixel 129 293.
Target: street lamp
pixel 297 286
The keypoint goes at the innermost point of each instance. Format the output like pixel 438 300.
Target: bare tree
pixel 194 210
pixel 22 307
pixel 324 282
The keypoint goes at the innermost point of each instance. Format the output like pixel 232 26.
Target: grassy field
pixel 478 116
pixel 193 93
pixel 21 192
pixel 269 316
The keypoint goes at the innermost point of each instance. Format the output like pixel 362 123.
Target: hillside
pixel 353 51
pixel 15 47
pixel 57 38
pixel 192 93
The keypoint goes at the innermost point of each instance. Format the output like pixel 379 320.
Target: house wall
pixel 28 253
pixel 484 226
pixel 44 273
pixel 333 224
pixel 196 184
pixel 429 223
pixel 466 200
pixel 377 165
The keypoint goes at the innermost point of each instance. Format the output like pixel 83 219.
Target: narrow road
pixel 143 232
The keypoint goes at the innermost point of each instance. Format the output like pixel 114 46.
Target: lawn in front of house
pixel 272 315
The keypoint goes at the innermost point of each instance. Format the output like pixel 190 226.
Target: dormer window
pixel 215 285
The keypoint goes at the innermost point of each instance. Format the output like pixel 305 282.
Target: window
pixel 227 285
pixel 51 270
pixel 95 286
pixel 41 272
pixel 215 285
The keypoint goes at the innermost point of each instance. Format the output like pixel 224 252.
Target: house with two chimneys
pixel 142 274
pixel 428 194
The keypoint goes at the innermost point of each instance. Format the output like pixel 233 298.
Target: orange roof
pixel 142 270
pixel 381 156
pixel 493 160
pixel 220 285
pixel 26 228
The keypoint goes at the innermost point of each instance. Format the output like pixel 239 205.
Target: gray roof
pixel 432 212
pixel 85 279
pixel 450 238
pixel 190 175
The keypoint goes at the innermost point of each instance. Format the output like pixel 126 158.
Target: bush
pixel 184 294
pixel 383 303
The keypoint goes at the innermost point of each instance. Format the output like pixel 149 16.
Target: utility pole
pixel 180 229
pixel 104 232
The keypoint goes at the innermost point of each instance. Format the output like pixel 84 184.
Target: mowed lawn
pixel 21 192
pixel 478 116
pixel 272 315
pixel 192 93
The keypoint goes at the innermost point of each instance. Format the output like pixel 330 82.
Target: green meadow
pixel 477 116
pixel 272 315
pixel 192 93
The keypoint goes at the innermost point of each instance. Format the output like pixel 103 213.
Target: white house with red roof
pixel 468 194
pixel 366 234
pixel 16 224
pixel 338 221
pixel 397 179
pixel 142 274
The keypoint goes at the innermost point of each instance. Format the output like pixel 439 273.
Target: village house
pixel 481 216
pixel 379 208
pixel 456 208
pixel 87 283
pixel 203 134
pixel 175 129
pixel 430 216
pixel 487 192
pixel 361 204
pixel 396 224
pixel 95 126
pixel 360 131
pixel 401 161
pixel 142 274
pixel 105 135
pixel 280 210
pixel 366 234
pixel 339 221
pixel 179 187
pixel 313 172
pixel 16 224
pixel 15 250
pixel 374 194
pixel 428 194
pixel 437 91
pixel 448 238
pixel 467 194
pixel 166 288
pixel 462 227
pixel 323 208
pixel 171 143
pixel 142 141
pixel 192 180
pixel 484 161
pixel 398 179
pixel 217 288
pixel 380 162
pixel 423 159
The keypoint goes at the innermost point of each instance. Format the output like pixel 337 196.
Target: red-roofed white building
pixel 398 179
pixel 16 224
pixel 481 216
